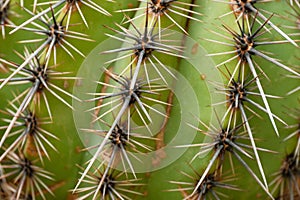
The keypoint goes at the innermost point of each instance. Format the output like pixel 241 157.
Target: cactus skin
pixel 168 182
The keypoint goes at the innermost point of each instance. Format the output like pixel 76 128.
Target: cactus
pixel 149 99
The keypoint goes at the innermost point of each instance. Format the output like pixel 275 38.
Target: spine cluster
pixel 134 84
